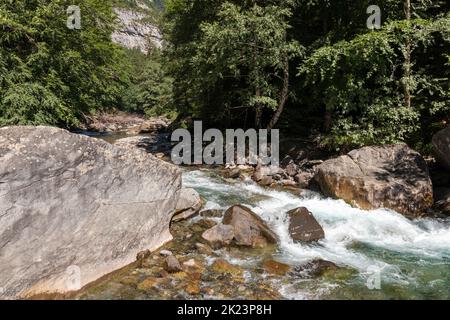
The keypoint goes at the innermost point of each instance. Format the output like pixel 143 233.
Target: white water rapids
pixel 411 257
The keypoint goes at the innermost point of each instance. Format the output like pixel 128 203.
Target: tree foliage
pixel 51 74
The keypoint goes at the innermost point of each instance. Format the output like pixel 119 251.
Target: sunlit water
pixel 393 257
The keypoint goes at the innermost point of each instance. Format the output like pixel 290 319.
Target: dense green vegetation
pixel 304 66
pixel 356 86
pixel 51 74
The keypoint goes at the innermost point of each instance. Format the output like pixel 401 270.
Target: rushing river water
pixel 393 257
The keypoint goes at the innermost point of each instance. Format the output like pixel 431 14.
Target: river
pixel 394 257
pixel 390 256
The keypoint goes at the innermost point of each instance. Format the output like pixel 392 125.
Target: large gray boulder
pixel 441 144
pixel 392 176
pixel 73 208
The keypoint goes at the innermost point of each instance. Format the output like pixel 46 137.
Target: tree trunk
pixel 283 97
pixel 407 56
pixel 258 111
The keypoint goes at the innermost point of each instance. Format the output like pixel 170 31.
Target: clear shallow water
pixel 408 259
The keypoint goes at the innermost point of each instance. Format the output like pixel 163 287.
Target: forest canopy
pixel 354 85
pixel 304 66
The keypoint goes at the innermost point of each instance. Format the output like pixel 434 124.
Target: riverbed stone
pixel 224 267
pixel 303 179
pixel 219 236
pixel 172 265
pixel 188 205
pixel 441 145
pixel 276 268
pixel 303 227
pixel 212 213
pixel 442 200
pixel 266 181
pixel 166 253
pixel 194 266
pixel 75 208
pixel 391 176
pixel 249 228
pixel 315 268
pixel 149 283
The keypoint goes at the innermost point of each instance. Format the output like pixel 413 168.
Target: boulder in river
pixel 172 265
pixel 391 176
pixel 188 205
pixel 443 200
pixel 249 228
pixel 315 268
pixel 219 236
pixel 303 227
pixel 74 208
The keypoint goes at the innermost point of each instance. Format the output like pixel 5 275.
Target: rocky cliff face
pixel 135 32
pixel 73 208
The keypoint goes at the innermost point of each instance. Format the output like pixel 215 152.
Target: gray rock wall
pixel 73 208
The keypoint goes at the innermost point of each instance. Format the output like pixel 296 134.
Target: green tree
pixel 240 59
pixel 151 89
pixel 51 74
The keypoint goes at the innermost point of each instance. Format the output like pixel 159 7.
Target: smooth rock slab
pixel 74 208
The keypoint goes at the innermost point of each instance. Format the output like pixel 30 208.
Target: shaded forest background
pixel 308 67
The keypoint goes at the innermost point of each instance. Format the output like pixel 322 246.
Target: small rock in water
pixel 266 181
pixel 219 236
pixel 193 288
pixel 442 199
pixel 148 284
pixel 275 267
pixel 224 267
pixel 315 268
pixel 213 213
pixel 233 173
pixel 193 265
pixel 165 253
pixel 142 255
pixel 248 226
pixel 288 183
pixel 303 226
pixel 188 205
pixel 172 265
pixel 204 249
pixel 303 179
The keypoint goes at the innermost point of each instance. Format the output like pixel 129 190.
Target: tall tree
pixel 50 74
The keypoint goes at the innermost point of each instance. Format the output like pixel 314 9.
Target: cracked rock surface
pixel 73 208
